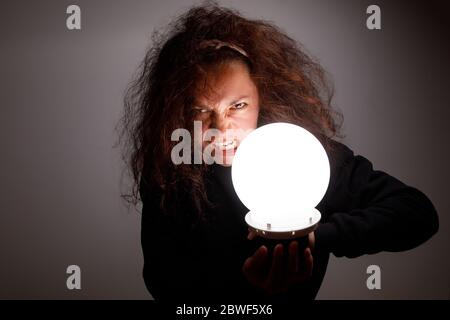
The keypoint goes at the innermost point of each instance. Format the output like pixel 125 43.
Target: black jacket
pixel 364 211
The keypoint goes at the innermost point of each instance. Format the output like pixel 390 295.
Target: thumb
pixel 251 234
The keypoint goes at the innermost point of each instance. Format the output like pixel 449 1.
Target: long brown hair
pixel 292 88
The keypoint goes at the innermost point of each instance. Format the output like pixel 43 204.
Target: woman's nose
pixel 221 122
pixel 224 125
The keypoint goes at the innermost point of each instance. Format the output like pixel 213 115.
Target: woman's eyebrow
pixel 236 100
pixel 200 106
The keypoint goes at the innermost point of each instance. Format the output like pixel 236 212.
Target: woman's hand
pixel 277 275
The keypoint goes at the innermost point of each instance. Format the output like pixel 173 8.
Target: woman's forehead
pixel 232 81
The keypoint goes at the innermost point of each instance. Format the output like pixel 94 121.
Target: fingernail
pixel 279 248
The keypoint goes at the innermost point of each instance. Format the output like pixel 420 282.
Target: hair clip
pixel 217 44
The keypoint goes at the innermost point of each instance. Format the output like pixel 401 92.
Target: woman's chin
pixel 226 164
pixel 227 158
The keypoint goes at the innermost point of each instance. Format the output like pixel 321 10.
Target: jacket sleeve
pixel 368 211
pixel 171 263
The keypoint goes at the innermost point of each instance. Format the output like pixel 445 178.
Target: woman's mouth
pixel 226 145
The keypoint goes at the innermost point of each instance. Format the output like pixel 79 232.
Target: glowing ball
pixel 281 172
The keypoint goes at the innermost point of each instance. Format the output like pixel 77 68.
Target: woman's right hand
pixel 275 274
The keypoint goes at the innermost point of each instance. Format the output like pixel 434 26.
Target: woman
pixel 235 74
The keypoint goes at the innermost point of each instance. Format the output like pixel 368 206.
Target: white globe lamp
pixel 281 172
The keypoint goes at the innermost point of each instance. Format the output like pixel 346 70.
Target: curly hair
pixel 292 88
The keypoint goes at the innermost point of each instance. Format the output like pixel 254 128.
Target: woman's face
pixel 232 108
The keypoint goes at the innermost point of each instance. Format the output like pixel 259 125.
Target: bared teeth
pixel 226 145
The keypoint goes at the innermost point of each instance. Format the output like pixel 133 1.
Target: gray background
pixel 61 95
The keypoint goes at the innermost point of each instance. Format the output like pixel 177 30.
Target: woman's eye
pixel 241 105
pixel 201 110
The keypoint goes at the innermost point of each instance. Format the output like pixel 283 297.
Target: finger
pixel 306 266
pixel 309 262
pixel 256 260
pixel 275 281
pixel 260 256
pixel 293 259
pixel 247 270
pixel 251 234
pixel 253 267
pixel 311 240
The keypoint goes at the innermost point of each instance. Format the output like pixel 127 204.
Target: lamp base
pixel 270 235
pixel 273 231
